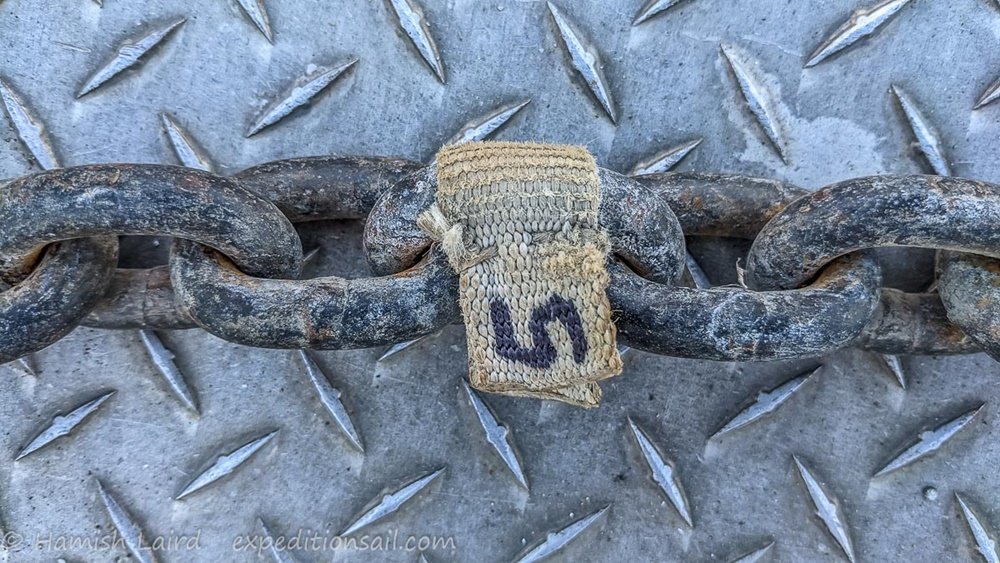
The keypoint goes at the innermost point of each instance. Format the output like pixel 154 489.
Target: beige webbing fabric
pixel 519 223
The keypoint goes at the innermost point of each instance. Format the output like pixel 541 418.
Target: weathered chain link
pixel 236 257
pixel 766 325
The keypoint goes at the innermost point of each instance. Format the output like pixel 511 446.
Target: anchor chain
pixel 812 283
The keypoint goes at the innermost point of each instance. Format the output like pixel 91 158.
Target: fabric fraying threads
pixel 519 223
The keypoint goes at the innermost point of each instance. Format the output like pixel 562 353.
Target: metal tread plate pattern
pixel 255 451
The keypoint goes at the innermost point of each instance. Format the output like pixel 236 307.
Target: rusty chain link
pixel 812 284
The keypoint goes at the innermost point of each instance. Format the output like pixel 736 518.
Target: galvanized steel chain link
pixel 812 285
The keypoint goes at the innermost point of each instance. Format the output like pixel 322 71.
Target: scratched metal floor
pixel 670 84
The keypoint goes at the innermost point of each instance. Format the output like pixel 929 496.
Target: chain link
pixel 643 230
pixel 969 285
pixel 814 286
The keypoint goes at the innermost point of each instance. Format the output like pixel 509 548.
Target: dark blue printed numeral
pixel 542 352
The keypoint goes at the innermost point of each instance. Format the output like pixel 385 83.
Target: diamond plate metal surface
pixel 829 87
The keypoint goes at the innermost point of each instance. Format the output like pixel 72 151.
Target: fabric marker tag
pixel 519 223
